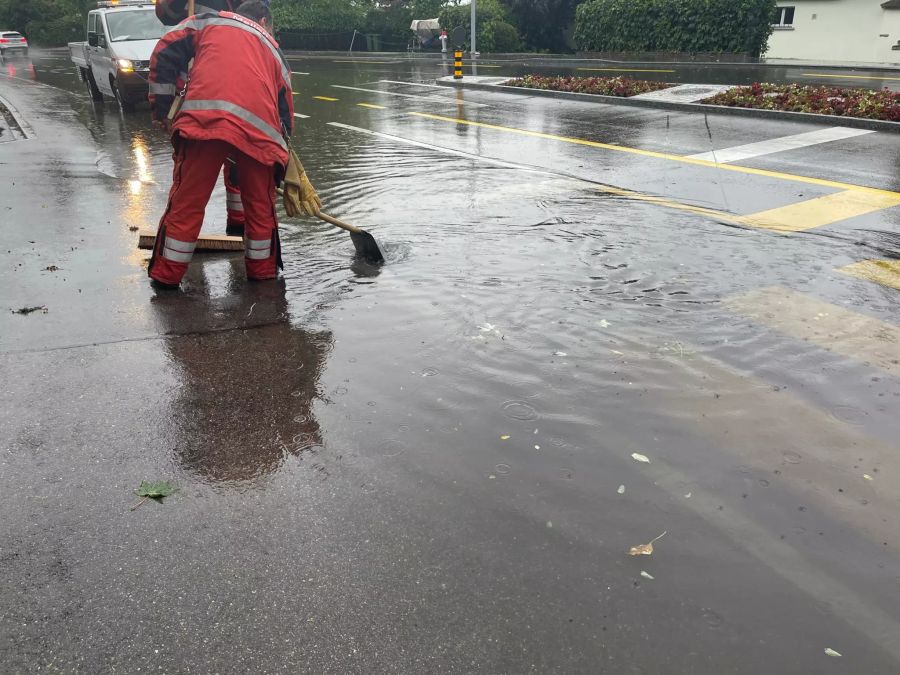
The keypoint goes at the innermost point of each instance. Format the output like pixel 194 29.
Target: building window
pixel 784 17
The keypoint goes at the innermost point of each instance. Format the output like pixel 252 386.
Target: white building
pixel 847 31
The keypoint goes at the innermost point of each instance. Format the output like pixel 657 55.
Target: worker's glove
pixel 299 195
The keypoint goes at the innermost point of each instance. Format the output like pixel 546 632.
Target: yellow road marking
pixel 884 272
pixel 669 204
pixel 662 155
pixel 848 77
pixel 833 328
pixel 820 211
pixel 627 70
pixel 325 98
pixel 371 105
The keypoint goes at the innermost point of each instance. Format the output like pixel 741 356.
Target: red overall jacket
pixel 239 88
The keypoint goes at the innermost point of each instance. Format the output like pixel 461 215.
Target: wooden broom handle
pixel 190 7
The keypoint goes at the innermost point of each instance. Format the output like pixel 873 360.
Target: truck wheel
pixel 88 78
pixel 125 103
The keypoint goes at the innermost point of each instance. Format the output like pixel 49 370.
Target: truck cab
pixel 115 59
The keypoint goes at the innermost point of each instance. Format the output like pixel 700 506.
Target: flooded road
pixel 437 465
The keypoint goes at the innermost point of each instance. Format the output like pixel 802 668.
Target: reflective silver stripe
pixel 234 205
pixel 158 88
pixel 258 249
pixel 200 24
pixel 237 111
pixel 233 197
pixel 178 251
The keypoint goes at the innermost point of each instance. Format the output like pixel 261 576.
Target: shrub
pixel 733 26
pixel 868 103
pixel 607 86
pixel 495 29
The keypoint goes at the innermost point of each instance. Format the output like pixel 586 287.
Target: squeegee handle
pixel 338 223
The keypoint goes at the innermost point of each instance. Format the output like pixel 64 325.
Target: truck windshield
pixel 134 25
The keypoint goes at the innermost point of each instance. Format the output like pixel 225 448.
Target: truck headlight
pixel 125 65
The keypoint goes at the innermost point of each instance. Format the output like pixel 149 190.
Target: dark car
pixel 12 43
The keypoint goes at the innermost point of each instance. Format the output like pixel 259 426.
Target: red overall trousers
pixel 197 167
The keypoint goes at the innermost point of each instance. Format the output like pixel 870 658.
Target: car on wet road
pixel 114 61
pixel 12 44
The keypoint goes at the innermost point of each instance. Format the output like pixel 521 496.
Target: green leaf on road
pixel 155 490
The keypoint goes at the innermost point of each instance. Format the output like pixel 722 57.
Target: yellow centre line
pixel 673 158
pixel 325 98
pixel 848 77
pixel 371 105
pixel 884 272
pixel 626 70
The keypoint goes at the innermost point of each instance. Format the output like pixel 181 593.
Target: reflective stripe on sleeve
pixel 162 89
pixel 237 111
pixel 258 249
pixel 178 251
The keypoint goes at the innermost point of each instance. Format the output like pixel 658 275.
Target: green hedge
pixel 733 26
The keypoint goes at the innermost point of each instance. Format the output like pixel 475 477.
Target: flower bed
pixel 866 103
pixel 606 86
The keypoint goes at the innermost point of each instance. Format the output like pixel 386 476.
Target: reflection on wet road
pixel 429 466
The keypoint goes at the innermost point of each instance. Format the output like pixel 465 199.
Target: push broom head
pixel 206 242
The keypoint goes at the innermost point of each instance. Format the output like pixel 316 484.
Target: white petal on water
pixel 830 652
pixel 621 490
pixel 638 457
pixel 647 576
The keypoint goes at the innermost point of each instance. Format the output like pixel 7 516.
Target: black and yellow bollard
pixel 457 65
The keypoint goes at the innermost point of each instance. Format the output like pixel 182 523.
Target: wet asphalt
pixel 429 466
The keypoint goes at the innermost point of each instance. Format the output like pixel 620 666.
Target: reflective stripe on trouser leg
pixel 178 251
pixel 257 249
pixel 233 207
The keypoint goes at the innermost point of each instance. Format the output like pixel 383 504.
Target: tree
pixel 543 23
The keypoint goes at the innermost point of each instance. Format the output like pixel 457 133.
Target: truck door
pixel 98 46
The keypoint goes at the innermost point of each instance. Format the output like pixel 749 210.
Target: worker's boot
pixel 234 228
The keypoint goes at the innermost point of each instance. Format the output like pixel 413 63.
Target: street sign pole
pixel 474 50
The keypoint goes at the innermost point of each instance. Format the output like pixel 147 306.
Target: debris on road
pixel 621 490
pixel 29 310
pixel 638 457
pixel 153 490
pixel 51 268
pixel 867 476
pixel 830 652
pixel 645 549
pixel 504 437
pixel 646 575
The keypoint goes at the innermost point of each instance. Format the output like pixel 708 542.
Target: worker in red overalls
pixel 243 118
pixel 170 13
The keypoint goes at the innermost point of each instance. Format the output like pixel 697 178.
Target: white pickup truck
pixel 115 60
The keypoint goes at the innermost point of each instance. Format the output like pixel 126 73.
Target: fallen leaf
pixel 830 652
pixel 504 437
pixel 867 476
pixel 688 495
pixel 646 575
pixel 638 457
pixel 133 228
pixel 29 310
pixel 603 323
pixel 153 490
pixel 559 354
pixel 621 490
pixel 645 549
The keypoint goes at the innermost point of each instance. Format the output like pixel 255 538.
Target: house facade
pixel 857 31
